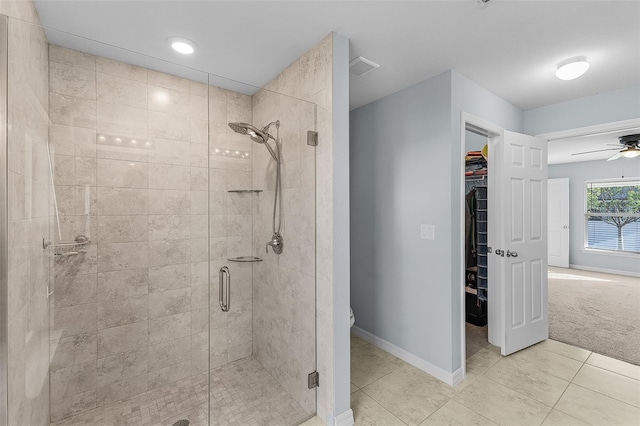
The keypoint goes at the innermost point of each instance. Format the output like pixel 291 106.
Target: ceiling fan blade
pixel 615 157
pixel 597 150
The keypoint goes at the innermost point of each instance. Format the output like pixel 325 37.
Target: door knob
pixel 565 227
pixel 512 254
pixel 500 252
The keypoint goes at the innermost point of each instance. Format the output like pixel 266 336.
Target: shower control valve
pixel 276 243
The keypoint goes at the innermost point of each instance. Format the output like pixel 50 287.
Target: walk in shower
pixel 133 256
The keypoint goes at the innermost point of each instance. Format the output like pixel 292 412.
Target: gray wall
pixel 578 173
pixel 341 260
pixel 400 178
pixel 617 105
pixel 474 142
pixel 405 171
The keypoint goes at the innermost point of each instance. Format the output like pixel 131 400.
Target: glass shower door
pixel 263 303
pixel 27 222
pixel 129 312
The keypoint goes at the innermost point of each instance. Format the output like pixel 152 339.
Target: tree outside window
pixel 613 215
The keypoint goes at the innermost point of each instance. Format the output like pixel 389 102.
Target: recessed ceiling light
pixel 182 45
pixel 572 68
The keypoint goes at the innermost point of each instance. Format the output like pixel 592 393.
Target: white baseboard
pixel 427 367
pixel 457 376
pixel 345 419
pixel 605 271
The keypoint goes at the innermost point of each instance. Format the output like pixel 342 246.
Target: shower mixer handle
pixel 276 243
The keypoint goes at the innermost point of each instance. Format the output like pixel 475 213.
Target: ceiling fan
pixel 631 148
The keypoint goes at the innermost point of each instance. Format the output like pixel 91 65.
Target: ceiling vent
pixel 361 66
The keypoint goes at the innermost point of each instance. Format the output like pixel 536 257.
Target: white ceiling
pixel 510 48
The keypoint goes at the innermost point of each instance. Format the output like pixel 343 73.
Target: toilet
pixel 352 318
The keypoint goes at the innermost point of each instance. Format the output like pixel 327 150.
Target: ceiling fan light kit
pixel 572 68
pixel 630 150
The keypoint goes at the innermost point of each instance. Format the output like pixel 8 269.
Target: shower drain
pixel 181 423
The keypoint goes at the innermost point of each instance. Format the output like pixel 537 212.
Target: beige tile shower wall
pixel 131 170
pixel 28 181
pixel 230 224
pixel 23 10
pixel 285 286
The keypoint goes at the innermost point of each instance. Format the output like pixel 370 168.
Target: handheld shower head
pixel 257 135
pixel 253 132
pixel 262 136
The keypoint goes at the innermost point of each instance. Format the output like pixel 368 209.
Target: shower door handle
pixel 224 288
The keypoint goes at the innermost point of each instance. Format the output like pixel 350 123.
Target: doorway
pixel 592 301
pixel 478 307
pixel 558 220
pixel 516 238
pixel 476 176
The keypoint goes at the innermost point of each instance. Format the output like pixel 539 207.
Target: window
pixel 613 215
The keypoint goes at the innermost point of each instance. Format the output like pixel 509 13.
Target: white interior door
pixel 558 219
pixel 523 241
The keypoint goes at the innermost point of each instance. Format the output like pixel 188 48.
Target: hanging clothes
pixel 470 228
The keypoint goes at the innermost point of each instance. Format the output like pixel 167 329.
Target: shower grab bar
pixel 224 289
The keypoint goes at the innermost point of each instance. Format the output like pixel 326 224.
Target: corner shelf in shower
pixel 245 191
pixel 244 259
pixel 69 248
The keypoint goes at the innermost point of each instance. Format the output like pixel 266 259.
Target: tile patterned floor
pixel 243 393
pixel 476 338
pixel 549 384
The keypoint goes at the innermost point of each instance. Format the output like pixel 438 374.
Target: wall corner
pixel 341 231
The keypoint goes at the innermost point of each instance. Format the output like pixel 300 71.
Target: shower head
pixel 254 133
pixel 257 135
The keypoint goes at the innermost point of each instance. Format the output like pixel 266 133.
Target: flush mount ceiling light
pixel 182 45
pixel 572 68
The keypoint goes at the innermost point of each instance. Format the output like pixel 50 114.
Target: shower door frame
pixel 4 220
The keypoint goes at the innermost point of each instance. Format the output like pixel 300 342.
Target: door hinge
pixel 312 138
pixel 314 380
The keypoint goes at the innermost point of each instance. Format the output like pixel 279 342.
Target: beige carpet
pixel 596 311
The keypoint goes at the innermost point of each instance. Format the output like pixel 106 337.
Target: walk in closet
pixel 476 238
pixel 503 245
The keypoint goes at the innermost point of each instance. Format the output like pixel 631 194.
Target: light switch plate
pixel 427 232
